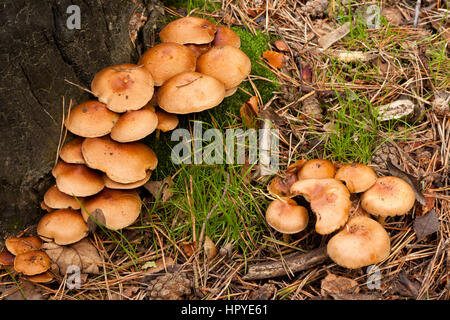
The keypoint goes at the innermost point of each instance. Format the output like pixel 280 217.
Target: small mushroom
pixel 357 177
pixel 189 92
pixel 23 244
pixel 123 87
pixel 317 169
pixel 32 262
pixel 285 216
pixel 44 277
pixel 281 184
pixel 226 37
pixel 134 125
pixel 329 199
pixel 71 152
pixel 389 196
pixel 62 226
pixel 91 119
pixel 188 30
pixel 6 258
pixel 198 49
pixel 120 208
pixel 361 243
pixel 166 121
pixel 116 185
pixel 122 162
pixel 77 179
pixel 56 199
pixel 166 60
pixel 225 63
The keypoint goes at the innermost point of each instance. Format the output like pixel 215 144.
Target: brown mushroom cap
pixel 91 119
pixel 6 258
pixel 281 185
pixel 134 125
pixel 226 37
pixel 286 216
pixel 166 121
pixel 45 277
pixel 389 196
pixel 122 162
pixel 188 30
pixel 123 87
pixel 56 199
pixel 120 208
pixel 231 91
pixel 317 169
pixel 198 49
pixel 62 226
pixel 361 243
pixel 168 59
pixel 32 262
pixel 116 185
pixel 190 92
pixel 226 63
pixel 24 244
pixel 77 179
pixel 329 199
pixel 71 152
pixel 357 177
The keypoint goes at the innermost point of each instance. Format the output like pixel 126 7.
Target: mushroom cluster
pixel 196 65
pixel 360 240
pixel 25 256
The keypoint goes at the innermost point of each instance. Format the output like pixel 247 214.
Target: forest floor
pixel 324 99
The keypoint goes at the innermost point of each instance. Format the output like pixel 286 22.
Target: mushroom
pixel 231 91
pixel 120 208
pixel 389 196
pixel 44 277
pixel 166 60
pixel 91 119
pixel 24 244
pixel 56 199
pixel 71 152
pixel 285 216
pixel 116 185
pixel 225 63
pixel 62 226
pixel 317 169
pixel 281 184
pixel 189 92
pixel 166 121
pixel 198 49
pixel 188 30
pixel 357 177
pixel 361 243
pixel 77 179
pixel 122 162
pixel 6 258
pixel 123 87
pixel 329 199
pixel 226 37
pixel 134 125
pixel 32 262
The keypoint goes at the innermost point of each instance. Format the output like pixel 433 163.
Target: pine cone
pixel 315 8
pixel 311 107
pixel 171 286
pixel 382 154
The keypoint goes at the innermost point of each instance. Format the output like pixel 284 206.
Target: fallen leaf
pixel 264 292
pixel 412 181
pixel 81 254
pixel 210 248
pixel 275 59
pixel 406 287
pixel 395 110
pixel 393 16
pixel 188 247
pixel 27 291
pixel 336 285
pixel 426 225
pixel 281 45
pixel 249 113
pixel 330 38
pixel 160 189
pixel 159 265
pixel 430 202
pixel 95 219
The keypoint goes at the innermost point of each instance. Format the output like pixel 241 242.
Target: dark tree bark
pixel 37 53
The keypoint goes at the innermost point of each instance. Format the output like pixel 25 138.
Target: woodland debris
pixel 329 39
pixel 395 110
pixel 336 285
pixel 426 225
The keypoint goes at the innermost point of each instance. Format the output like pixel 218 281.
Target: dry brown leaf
pixel 189 247
pixel 249 113
pixel 81 254
pixel 264 292
pixel 160 265
pixel 275 59
pixel 281 45
pixel 426 225
pixel 337 285
pixel 430 202
pixel 329 39
pixel 210 248
pixel 95 218
pixel 160 189
pixel 393 16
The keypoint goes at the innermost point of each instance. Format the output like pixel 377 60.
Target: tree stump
pixel 41 48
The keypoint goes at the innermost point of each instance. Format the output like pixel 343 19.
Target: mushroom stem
pixel 381 220
pixel 286 238
pixel 158 132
